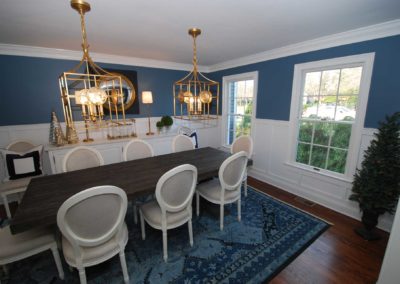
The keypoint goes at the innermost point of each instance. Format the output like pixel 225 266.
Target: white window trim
pixel 225 94
pixel 366 60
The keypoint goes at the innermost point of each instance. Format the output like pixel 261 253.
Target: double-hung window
pixel 238 105
pixel 328 109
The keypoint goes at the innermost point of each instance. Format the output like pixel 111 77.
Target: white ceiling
pixel 157 29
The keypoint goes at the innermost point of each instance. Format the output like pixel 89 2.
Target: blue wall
pixel 275 79
pixel 30 85
pixel 30 88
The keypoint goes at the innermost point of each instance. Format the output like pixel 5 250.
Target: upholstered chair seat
pixel 211 190
pixel 152 214
pixel 95 255
pixel 25 244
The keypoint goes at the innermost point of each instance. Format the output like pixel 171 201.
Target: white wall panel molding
pixel 386 29
pixel 44 52
pixel 272 141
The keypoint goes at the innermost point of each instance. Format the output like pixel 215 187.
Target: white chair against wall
pixel 137 149
pixel 243 143
pixel 134 150
pixel 19 185
pixel 173 207
pixel 226 189
pixel 22 245
pixel 191 133
pixel 182 143
pixel 93 228
pixel 82 157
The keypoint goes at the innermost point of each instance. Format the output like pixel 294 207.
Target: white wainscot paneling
pixel 271 148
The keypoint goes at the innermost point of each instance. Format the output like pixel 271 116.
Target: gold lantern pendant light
pixel 195 93
pixel 87 87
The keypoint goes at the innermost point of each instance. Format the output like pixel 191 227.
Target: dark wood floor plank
pixel 337 256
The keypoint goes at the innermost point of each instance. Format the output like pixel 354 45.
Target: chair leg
pixel 165 245
pixel 190 232
pixel 82 275
pixel 239 209
pixel 135 218
pixel 57 259
pixel 221 217
pixel 245 187
pixel 197 204
pixel 5 202
pixel 123 265
pixel 143 229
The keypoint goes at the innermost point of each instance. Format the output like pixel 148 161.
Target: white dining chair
pixel 225 189
pixel 134 150
pixel 173 205
pixel 137 149
pixel 182 143
pixel 22 245
pixel 243 143
pixel 93 228
pixel 19 185
pixel 82 157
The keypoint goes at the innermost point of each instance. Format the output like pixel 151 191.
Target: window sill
pixel 324 174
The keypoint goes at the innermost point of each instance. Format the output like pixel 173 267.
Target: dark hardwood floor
pixel 338 255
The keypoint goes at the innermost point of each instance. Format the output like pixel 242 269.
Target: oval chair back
pixel 243 143
pixel 78 217
pixel 82 157
pixel 20 146
pixel 175 189
pixel 232 171
pixel 182 143
pixel 137 149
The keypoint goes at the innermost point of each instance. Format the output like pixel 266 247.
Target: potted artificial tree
pixel 159 126
pixel 376 186
pixel 167 121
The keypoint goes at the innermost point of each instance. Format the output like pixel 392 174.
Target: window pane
pixel 312 82
pixel 303 153
pixel 329 82
pixel 350 79
pixel 310 105
pixel 337 160
pixel 346 109
pixel 341 136
pixel 327 108
pixel 318 156
pixel 322 133
pixel 305 131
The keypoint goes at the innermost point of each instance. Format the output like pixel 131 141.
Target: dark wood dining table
pixel 45 195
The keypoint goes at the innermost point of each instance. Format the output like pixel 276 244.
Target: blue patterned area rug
pixel 270 235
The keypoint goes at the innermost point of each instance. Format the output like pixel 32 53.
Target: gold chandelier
pixel 86 88
pixel 195 93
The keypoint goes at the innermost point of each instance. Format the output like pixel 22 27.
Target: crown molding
pixel 53 53
pixel 381 30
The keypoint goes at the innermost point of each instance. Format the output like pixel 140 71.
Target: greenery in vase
pixel 376 185
pixel 159 124
pixel 167 120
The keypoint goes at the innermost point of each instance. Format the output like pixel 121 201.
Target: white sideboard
pixel 111 150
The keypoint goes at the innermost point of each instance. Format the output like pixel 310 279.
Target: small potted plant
pixel 376 186
pixel 159 126
pixel 167 121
